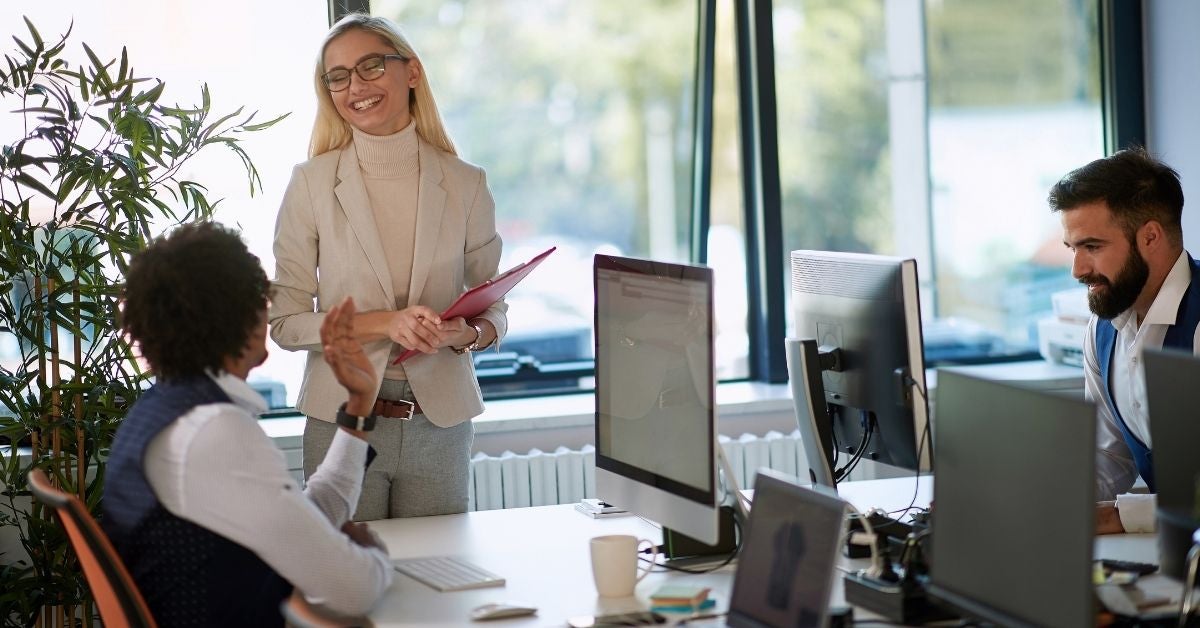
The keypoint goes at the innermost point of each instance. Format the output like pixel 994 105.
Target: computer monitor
pixel 655 411
pixel 857 364
pixel 1008 456
pixel 1172 398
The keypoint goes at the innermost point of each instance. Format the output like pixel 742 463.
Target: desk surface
pixel 543 554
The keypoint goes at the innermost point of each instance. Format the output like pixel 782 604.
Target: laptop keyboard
pixel 446 573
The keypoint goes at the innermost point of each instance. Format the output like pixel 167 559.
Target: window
pixel 931 130
pixel 582 114
pixel 935 132
pixel 222 43
pixel 1014 104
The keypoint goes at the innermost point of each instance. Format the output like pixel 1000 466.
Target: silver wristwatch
pixel 474 346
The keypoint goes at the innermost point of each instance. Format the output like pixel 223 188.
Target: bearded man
pixel 1121 218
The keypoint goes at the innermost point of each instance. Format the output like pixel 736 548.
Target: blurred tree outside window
pixel 1013 103
pixel 581 113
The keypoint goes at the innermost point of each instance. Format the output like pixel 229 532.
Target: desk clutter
pixel 681 598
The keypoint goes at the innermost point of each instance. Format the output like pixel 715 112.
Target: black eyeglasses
pixel 368 69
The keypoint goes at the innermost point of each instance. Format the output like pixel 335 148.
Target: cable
pixel 841 474
pixel 920 450
pixel 871 539
pixel 737 532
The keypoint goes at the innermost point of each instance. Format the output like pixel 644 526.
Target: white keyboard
pixel 446 573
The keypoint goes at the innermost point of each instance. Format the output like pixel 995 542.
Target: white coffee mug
pixel 615 563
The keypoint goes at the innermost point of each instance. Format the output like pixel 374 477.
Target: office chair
pixel 298 613
pixel 116 595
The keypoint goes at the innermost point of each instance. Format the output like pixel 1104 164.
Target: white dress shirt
pixel 1115 468
pixel 216 468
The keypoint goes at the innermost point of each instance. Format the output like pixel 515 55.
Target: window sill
pixel 567 420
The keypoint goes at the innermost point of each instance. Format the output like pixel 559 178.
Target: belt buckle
pixel 412 405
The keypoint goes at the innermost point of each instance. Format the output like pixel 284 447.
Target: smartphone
pixel 632 618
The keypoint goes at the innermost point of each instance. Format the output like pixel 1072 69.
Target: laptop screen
pixel 786 570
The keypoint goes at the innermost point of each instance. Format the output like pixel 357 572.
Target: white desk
pixel 543 554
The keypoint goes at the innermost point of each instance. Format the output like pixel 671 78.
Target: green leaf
pixel 37 38
pixel 265 125
pixel 28 181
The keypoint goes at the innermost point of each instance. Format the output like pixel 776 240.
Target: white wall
pixel 1172 70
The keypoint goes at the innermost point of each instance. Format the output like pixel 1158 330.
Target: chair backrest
pixel 116 594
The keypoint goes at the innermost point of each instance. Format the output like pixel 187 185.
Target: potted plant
pixel 93 173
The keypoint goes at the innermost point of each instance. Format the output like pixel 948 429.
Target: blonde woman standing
pixel 386 213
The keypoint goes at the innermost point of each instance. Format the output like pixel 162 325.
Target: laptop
pixel 787 565
pixel 1014 506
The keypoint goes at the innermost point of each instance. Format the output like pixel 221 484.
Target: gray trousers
pixel 420 469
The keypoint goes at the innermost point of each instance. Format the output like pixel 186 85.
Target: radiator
pixel 566 476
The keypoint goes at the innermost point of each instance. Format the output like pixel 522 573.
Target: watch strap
pixel 361 423
pixel 474 346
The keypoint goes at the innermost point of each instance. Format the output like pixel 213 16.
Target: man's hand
pixel 1108 520
pixel 346 357
pixel 363 535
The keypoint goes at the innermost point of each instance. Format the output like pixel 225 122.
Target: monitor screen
pixel 655 420
pixel 1009 456
pixel 863 313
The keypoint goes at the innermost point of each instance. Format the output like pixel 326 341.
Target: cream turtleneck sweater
pixel 391 172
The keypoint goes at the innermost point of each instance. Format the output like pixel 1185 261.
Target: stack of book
pixel 681 598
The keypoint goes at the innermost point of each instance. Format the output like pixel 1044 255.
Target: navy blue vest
pixel 1179 336
pixel 188 575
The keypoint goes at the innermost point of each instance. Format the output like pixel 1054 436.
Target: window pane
pixel 726 234
pixel 581 114
pixel 220 43
pixel 1014 104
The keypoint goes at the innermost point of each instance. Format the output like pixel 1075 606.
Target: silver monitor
pixel 655 390
pixel 857 363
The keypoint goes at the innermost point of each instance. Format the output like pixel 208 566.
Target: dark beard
pixel 1122 292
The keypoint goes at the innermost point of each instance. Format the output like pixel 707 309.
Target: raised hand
pixel 346 357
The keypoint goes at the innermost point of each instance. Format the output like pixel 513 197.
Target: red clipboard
pixel 479 298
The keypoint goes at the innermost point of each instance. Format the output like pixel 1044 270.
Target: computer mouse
pixel 501 610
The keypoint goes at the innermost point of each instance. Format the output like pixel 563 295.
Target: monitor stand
pixel 806 361
pixel 685 552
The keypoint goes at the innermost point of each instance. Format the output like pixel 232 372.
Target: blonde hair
pixel 331 132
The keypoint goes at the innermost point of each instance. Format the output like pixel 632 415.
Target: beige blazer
pixel 326 228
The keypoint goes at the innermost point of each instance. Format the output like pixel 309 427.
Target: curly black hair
pixel 1136 187
pixel 192 298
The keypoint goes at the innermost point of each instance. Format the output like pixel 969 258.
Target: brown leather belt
pixel 396 409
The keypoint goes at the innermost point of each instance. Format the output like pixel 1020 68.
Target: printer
pixel 1060 337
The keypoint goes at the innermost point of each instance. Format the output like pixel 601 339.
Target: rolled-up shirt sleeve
pixel 219 470
pixel 1116 470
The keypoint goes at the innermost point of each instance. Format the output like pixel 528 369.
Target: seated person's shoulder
pixel 223 426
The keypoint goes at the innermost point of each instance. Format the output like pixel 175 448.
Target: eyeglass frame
pixel 353 71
